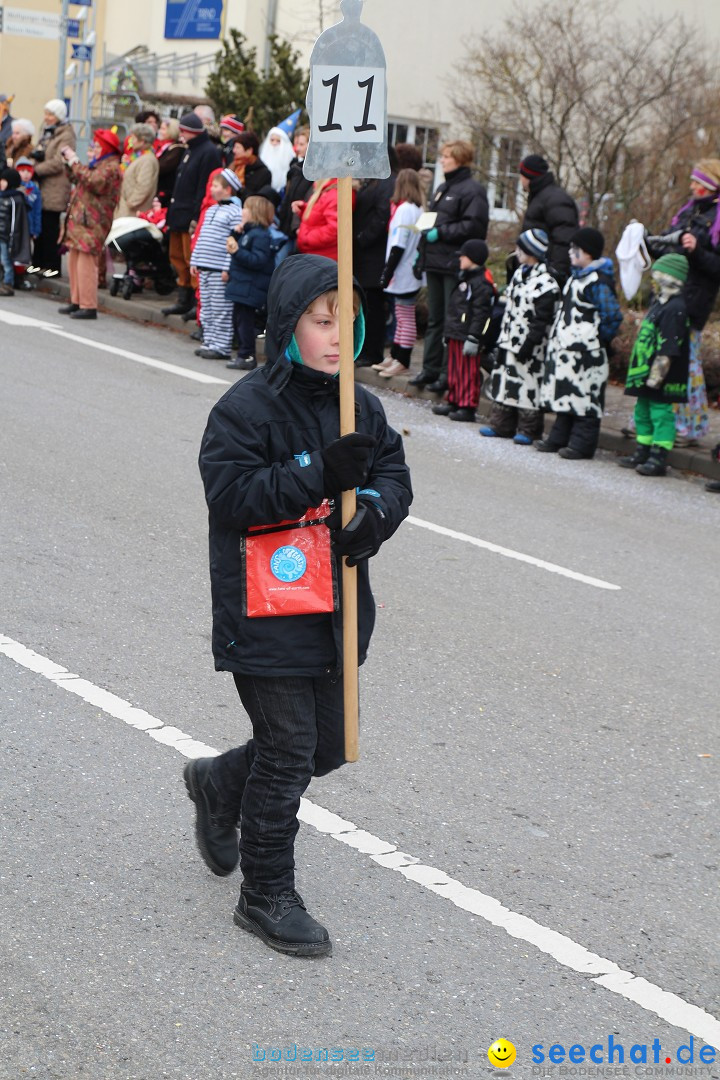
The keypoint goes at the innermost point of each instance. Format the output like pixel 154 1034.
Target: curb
pixel 691 459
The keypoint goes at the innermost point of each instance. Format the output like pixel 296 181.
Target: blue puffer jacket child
pixel 251 267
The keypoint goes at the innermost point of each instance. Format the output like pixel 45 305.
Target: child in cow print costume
pixel 658 368
pixel 529 309
pixel 467 321
pixel 576 368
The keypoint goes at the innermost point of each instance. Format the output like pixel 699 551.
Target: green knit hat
pixel 673 265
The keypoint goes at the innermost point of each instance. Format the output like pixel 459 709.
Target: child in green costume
pixel 658 369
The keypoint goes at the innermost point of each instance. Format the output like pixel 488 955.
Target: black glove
pixel 363 534
pixel 38 154
pixel 346 462
pixel 385 278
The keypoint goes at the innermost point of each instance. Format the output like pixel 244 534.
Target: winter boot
pixel 282 922
pixel 191 315
pixel 216 823
pixel 656 464
pixel 184 302
pixel 642 453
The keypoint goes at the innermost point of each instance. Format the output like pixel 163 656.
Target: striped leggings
pixel 216 316
pixel 464 376
pixel 405 330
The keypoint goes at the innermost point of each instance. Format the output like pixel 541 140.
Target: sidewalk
pixel 618 408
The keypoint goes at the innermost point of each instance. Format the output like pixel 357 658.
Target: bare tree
pixel 610 104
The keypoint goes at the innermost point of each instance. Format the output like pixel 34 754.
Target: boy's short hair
pixel 262 210
pixel 463 152
pixel 332 297
pixel 302 131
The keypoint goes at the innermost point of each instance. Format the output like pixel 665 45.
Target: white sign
pixel 347 101
pixel 23 23
pixel 348 104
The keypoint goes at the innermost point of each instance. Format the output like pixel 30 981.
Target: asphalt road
pixel 544 741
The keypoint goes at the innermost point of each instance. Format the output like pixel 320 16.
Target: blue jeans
pixel 298 733
pixel 7 263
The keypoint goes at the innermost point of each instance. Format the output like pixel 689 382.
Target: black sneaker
pixel 243 363
pixel 282 922
pixel 216 823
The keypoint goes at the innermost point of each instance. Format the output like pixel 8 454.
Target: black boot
pixel 642 453
pixel 656 464
pixel 184 302
pixel 191 314
pixel 282 922
pixel 216 822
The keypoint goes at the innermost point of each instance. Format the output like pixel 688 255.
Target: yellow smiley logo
pixel 501 1054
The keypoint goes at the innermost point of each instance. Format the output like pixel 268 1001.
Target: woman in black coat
pixel 462 214
pixel 371 218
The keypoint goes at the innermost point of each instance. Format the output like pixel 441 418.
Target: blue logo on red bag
pixel 288 563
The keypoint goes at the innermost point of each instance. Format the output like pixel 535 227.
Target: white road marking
pixel 53 328
pixel 570 954
pixel 510 554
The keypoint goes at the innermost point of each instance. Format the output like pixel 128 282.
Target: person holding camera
pixel 54 181
pixel 695 233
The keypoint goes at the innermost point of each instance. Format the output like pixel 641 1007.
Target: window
pixel 427 140
pixel 504 172
pixel 397 133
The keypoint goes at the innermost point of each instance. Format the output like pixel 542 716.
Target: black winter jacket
pixel 14 229
pixel 256 471
pixel 703 282
pixel 462 214
pixel 199 160
pixel 550 208
pixel 469 307
pixel 257 176
pixel 371 217
pixel 297 187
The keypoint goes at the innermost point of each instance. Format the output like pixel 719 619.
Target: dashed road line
pixel 566 952
pixel 553 568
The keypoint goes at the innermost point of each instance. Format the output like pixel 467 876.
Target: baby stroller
pixel 140 243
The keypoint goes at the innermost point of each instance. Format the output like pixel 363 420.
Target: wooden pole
pixel 347 425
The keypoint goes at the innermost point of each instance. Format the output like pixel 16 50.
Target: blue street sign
pixel 73 28
pixel 81 3
pixel 193 19
pixel 81 52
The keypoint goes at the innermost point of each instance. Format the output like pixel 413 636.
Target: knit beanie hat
pixel 675 266
pixel 232 123
pixel 12 176
pixel 533 166
pixel 707 173
pixel 476 251
pixel 534 242
pixel 25 163
pixel 231 178
pixel 589 240
pixel 191 122
pixel 58 108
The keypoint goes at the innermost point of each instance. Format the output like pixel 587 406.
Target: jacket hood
pixel 542 182
pixel 603 265
pixel 298 281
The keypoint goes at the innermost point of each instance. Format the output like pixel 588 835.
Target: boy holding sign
pixel 270 453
